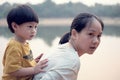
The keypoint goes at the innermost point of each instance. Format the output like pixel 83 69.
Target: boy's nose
pixel 34 30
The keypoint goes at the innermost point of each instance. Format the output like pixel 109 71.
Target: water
pixel 48 33
pixel 102 65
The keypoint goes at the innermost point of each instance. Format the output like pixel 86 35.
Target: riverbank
pixel 64 21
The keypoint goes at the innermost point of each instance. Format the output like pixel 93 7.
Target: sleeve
pixel 59 74
pixel 13 60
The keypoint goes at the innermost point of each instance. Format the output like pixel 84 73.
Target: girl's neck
pixel 80 53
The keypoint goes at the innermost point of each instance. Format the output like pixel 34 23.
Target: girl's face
pixel 25 31
pixel 88 39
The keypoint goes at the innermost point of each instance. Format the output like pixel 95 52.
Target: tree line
pixel 50 9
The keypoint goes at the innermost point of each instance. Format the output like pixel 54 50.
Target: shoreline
pixel 64 21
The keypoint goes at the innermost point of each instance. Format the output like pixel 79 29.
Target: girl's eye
pixel 99 36
pixel 91 34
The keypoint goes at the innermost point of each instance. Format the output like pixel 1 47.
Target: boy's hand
pixel 40 65
pixel 38 58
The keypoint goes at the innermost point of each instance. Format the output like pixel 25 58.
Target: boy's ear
pixel 14 25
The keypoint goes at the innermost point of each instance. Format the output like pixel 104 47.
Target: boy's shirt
pixel 16 56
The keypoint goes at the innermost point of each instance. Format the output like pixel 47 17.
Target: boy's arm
pixel 30 70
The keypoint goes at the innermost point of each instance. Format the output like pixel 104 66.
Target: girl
pixel 84 37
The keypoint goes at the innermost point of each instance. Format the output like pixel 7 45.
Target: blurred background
pixel 55 19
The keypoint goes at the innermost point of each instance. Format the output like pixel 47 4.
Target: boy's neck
pixel 20 40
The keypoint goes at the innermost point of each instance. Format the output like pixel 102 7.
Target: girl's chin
pixel 90 52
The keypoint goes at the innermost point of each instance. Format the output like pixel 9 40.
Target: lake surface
pixel 102 65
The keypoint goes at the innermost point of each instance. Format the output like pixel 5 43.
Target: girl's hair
pixel 20 15
pixel 65 38
pixel 79 23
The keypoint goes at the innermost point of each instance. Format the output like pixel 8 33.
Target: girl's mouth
pixel 92 48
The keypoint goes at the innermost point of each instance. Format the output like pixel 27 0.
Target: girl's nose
pixel 96 40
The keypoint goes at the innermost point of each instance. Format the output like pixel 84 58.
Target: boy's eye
pixel 91 34
pixel 30 26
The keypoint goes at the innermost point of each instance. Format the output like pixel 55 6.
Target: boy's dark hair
pixel 20 15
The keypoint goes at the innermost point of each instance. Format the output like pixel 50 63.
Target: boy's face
pixel 25 31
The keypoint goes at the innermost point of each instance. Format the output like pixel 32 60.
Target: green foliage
pixel 49 9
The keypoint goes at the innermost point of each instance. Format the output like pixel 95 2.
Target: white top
pixel 63 64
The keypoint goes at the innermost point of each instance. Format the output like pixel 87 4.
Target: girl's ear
pixel 74 34
pixel 14 25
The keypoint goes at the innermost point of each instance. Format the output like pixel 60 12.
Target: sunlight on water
pixel 102 65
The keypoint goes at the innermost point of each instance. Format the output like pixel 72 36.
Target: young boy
pixel 18 60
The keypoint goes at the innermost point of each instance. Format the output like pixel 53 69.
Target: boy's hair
pixel 20 15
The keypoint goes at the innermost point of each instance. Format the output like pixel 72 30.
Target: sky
pixel 86 2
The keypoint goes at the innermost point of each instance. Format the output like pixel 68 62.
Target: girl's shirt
pixel 63 64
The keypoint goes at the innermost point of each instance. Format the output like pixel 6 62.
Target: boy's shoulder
pixel 14 44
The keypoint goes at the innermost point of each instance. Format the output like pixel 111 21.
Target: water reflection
pixel 48 33
pixel 112 30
